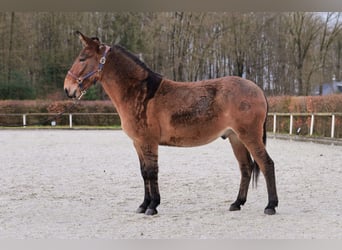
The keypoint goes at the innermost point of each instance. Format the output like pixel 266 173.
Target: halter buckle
pixel 103 60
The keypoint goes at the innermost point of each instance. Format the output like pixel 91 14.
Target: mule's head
pixel 85 70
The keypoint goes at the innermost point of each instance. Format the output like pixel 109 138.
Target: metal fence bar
pixel 291 123
pixel 24 120
pixel 24 117
pixel 332 125
pixel 312 124
pixel 275 116
pixel 70 120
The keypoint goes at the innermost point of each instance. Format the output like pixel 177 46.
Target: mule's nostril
pixel 69 94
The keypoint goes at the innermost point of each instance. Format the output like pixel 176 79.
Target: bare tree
pixel 303 29
pixel 331 30
pixel 284 53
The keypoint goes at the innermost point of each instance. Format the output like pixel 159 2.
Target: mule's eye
pixel 82 59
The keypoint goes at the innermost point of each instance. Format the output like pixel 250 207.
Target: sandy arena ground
pixel 72 184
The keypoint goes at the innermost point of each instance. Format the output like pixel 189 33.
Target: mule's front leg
pixel 148 157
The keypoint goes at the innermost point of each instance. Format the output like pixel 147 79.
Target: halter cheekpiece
pixel 80 79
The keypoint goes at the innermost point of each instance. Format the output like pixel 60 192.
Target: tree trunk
pixel 10 49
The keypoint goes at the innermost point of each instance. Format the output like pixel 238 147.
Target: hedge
pixel 280 104
pixel 305 104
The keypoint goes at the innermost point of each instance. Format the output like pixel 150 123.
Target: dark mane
pixel 135 59
pixel 153 79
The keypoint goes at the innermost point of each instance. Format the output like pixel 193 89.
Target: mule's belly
pixel 190 137
pixel 178 141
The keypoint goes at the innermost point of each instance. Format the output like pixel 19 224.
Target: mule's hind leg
pixel 148 157
pixel 246 165
pixel 266 164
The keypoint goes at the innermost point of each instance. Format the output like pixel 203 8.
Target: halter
pixel 80 79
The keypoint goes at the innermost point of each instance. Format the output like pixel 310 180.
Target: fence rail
pixel 24 117
pixel 310 117
pixel 286 126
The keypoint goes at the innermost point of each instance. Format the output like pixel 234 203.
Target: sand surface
pixel 71 184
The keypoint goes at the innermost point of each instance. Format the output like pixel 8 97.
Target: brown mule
pixel 158 111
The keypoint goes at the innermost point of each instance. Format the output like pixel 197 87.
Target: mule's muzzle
pixel 70 94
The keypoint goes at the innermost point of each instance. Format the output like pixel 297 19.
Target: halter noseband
pixel 80 79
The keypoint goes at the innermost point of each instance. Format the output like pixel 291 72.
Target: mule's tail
pixel 256 169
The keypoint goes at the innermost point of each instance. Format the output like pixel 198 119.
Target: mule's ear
pixel 86 41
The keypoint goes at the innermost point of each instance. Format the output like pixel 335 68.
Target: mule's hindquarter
pixel 193 114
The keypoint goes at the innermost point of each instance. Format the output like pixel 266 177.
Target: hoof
pixel 269 211
pixel 234 207
pixel 151 211
pixel 141 210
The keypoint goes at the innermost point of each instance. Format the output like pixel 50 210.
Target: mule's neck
pixel 127 80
